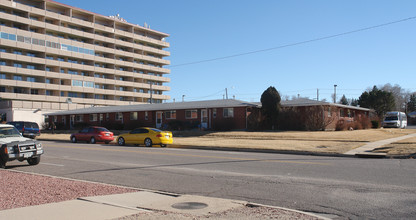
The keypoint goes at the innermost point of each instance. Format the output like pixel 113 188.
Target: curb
pixel 236 149
pixel 244 203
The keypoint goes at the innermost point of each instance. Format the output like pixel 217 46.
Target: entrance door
pixel 158 119
pixel 71 121
pixel 204 118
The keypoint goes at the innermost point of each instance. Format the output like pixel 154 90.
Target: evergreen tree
pixel 354 102
pixel 379 100
pixel 270 100
pixel 343 100
pixel 411 105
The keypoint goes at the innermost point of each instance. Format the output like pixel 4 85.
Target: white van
pixel 395 120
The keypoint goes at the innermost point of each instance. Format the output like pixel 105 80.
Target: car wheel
pixel 163 145
pixel 93 141
pixel 73 139
pixel 2 164
pixel 33 160
pixel 148 142
pixel 121 141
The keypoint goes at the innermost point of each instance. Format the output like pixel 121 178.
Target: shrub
pixel 225 124
pixel 290 119
pixel 365 122
pixel 375 124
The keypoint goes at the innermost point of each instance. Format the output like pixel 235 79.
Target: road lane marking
pixel 196 156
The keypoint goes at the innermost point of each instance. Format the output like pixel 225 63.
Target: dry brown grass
pixel 403 147
pixel 318 142
pixel 335 142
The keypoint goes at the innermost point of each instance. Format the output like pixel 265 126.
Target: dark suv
pixel 27 128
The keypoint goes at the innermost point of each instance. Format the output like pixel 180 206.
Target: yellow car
pixel 146 136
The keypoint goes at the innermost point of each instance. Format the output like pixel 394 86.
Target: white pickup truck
pixel 13 146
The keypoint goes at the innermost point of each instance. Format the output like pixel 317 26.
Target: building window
pixel 119 116
pixel 93 117
pixel 191 114
pixel 329 112
pixel 146 116
pixel 17 90
pixel 228 112
pixel 34 91
pixel 30 79
pixel 170 114
pixel 2 76
pixel 133 115
pixel 78 118
pixel 214 113
pixel 341 112
pixel 19 78
pixel 19 65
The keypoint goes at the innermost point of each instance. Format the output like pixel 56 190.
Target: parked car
pixel 146 136
pixel 93 135
pixel 13 146
pixel 27 128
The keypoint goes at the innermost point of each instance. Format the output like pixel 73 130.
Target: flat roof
pixel 221 103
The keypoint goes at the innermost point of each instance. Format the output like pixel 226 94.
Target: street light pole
pixel 335 93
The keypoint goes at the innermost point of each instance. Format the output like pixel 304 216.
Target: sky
pixel 281 43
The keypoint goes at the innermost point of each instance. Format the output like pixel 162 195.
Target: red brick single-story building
pixel 331 113
pixel 201 114
pixel 225 114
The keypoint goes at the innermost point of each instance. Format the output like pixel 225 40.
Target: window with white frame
pixel 228 112
pixel 93 117
pixel 119 116
pixel 191 114
pixel 170 114
pixel 329 111
pixel 133 115
pixel 78 118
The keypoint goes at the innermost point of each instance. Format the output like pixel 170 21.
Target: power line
pixel 298 43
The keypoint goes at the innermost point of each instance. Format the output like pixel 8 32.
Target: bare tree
pixel 315 119
pixel 401 96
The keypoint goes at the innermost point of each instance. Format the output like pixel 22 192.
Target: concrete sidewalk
pixel 147 205
pixel 367 150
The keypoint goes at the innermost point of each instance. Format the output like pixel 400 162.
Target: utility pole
pixel 335 93
pixel 317 94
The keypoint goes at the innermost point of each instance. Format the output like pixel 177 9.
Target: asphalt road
pixel 338 186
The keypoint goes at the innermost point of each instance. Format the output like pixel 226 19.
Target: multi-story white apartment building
pixel 57 57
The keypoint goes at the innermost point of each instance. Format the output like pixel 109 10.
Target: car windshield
pixel 9 132
pixel 391 118
pixel 102 129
